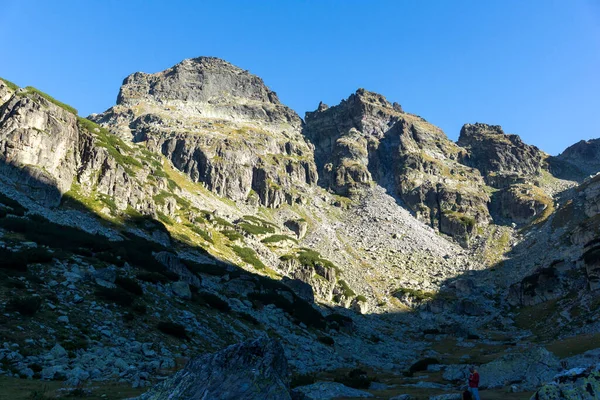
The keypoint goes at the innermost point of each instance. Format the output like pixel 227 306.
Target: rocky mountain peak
pixel 496 153
pixel 220 125
pixel 202 79
pixel 584 154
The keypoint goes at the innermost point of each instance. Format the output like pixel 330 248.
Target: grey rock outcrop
pixel 37 142
pixel 221 126
pixel 330 390
pixel 366 139
pixel 529 368
pixel 519 203
pixel 583 155
pixel 503 159
pixel 576 384
pixel 253 370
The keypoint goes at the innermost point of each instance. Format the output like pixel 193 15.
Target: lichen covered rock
pixel 253 370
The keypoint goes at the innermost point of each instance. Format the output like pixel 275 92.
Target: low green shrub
pixel 278 238
pixel 346 290
pixel 31 89
pixel 10 85
pixel 302 380
pixel 248 256
pixel 130 285
pixel 200 232
pixel 328 340
pixel 173 329
pixel 248 318
pixel 115 295
pixel 311 258
pixel 421 365
pixel 256 229
pixel 299 309
pixel 414 293
pixel 232 235
pixel 152 277
pixel 15 206
pixel 18 260
pixel 208 269
pixel 357 379
pixel 215 301
pixel 25 305
pixel 340 320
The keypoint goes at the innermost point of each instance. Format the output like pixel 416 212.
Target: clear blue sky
pixel 531 66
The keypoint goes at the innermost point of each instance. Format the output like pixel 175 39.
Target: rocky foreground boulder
pixel 575 384
pixel 253 370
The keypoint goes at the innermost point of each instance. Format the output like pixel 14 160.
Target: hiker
pixel 474 383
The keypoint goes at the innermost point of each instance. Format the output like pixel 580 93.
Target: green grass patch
pixel 32 90
pixel 248 256
pixel 414 293
pixel 256 229
pixel 348 292
pixel 259 221
pixel 278 238
pixel 116 147
pixel 200 232
pixel 10 85
pixel 232 235
pixel 311 258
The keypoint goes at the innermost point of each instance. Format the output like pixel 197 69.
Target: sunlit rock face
pixel 221 126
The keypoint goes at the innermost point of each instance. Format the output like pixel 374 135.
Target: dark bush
pixel 140 308
pixel 173 329
pixel 110 257
pixel 152 277
pixel 299 309
pixel 357 379
pixel 422 365
pixel 128 317
pixel 35 367
pixel 130 285
pixel 116 295
pixel 215 301
pixel 302 380
pixel 25 305
pixel 592 256
pixel 207 269
pixel 249 318
pixel 248 255
pixel 431 332
pixel 326 340
pixel 15 206
pixel 340 320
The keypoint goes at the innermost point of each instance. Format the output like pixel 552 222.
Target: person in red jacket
pixel 474 383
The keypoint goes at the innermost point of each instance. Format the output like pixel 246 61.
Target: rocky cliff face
pixel 365 139
pixel 38 142
pixel 502 159
pixel 221 126
pixel 583 155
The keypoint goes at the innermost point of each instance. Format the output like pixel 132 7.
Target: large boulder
pixel 330 390
pixel 253 370
pixel 575 384
pixel 529 368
